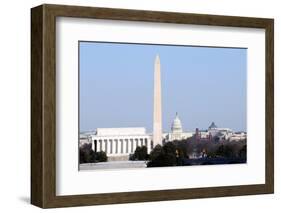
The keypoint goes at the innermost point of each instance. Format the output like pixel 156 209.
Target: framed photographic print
pixel 136 106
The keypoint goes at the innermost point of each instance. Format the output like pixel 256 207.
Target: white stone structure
pixel 157 107
pixel 177 131
pixel 120 141
pixel 84 139
pixel 222 134
pixel 238 136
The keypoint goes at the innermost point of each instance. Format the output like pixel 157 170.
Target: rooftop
pixel 213 126
pixel 121 131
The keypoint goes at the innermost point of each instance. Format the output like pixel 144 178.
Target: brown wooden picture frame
pixel 43 105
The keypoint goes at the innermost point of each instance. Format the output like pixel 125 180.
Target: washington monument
pixel 157 108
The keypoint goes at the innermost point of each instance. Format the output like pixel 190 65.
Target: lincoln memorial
pixel 120 141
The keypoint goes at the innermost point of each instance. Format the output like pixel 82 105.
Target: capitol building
pixel 177 132
pixel 120 143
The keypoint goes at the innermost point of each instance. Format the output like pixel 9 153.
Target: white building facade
pixel 177 132
pixel 238 136
pixel 222 134
pixel 120 141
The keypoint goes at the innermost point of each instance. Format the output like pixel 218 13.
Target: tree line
pixel 176 152
pixel 87 155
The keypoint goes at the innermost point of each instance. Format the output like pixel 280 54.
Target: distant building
pixel 84 139
pixel 177 132
pixel 238 136
pixel 195 154
pixel 118 142
pixel 219 134
pixel 202 135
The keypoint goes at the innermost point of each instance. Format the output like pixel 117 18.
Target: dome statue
pixel 176 125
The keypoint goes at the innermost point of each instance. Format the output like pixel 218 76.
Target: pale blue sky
pixel 202 84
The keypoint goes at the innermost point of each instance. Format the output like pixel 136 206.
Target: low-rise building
pixel 118 141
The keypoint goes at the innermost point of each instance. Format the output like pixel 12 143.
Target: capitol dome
pixel 176 125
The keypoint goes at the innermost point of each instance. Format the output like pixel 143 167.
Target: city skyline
pixel 116 86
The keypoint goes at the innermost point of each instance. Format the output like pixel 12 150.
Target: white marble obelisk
pixel 157 108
